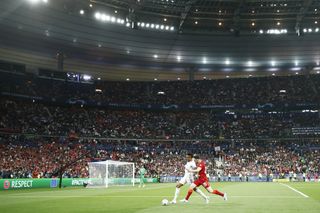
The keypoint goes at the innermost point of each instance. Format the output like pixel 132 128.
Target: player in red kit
pixel 202 180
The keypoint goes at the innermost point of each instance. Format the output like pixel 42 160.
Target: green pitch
pixel 243 197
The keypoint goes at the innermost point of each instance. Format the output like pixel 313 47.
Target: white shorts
pixel 186 179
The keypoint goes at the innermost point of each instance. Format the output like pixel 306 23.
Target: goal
pixel 103 174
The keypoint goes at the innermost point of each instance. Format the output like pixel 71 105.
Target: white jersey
pixel 188 176
pixel 190 165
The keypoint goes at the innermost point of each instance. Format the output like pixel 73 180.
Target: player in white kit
pixel 188 178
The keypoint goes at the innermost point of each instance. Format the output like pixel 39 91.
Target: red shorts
pixel 204 182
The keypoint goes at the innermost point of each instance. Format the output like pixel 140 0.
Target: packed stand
pixel 44 157
pixel 292 89
pixel 40 119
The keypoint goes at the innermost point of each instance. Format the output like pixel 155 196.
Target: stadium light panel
pixel 108 18
pixel 250 69
pixel 273 69
pixel 296 69
pixel 86 77
pixel 156 26
pixel 277 31
pixel 47 32
pixel 81 12
pixel 37 1
pixel 204 60
pixel 97 15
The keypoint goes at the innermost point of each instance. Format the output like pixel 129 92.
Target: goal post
pixel 103 174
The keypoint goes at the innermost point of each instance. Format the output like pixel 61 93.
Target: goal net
pixel 107 173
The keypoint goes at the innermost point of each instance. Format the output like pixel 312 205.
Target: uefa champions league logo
pixel 6 184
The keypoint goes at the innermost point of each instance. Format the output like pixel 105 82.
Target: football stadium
pixel 149 106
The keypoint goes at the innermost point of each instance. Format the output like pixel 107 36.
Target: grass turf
pixel 243 197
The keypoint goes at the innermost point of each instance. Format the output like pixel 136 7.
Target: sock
pixel 189 194
pixel 217 193
pixel 176 194
pixel 200 193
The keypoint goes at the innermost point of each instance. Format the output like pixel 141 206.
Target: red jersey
pixel 202 172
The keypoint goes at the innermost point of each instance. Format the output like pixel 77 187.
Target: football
pixel 165 202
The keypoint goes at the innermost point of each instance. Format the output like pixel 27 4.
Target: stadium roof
pixel 164 39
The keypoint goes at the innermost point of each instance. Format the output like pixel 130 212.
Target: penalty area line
pixel 297 191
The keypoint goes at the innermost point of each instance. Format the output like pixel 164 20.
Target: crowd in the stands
pixel 22 156
pixel 293 89
pixel 40 139
pixel 37 118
